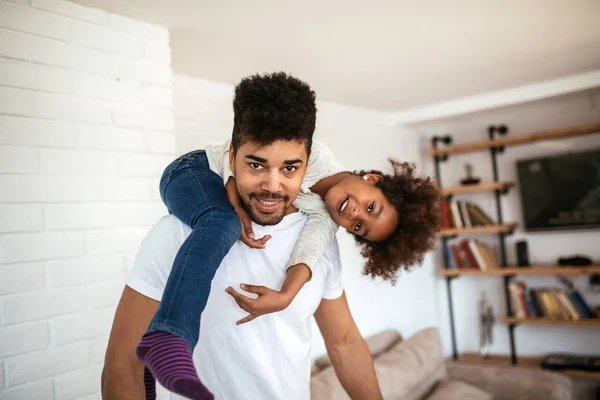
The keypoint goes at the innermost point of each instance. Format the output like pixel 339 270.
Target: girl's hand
pixel 268 301
pixel 247 235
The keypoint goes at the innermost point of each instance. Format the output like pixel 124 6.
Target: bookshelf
pixel 497 141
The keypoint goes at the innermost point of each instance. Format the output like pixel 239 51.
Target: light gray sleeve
pixel 320 229
pixel 218 158
pixel 316 235
pixel 321 164
pixel 227 172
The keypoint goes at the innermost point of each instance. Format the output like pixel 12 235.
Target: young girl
pixel 394 217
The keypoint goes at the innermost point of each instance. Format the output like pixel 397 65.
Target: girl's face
pixel 361 208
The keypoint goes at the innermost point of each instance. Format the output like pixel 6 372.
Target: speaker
pixel 522 254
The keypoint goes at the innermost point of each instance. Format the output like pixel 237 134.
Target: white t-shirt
pixel 269 357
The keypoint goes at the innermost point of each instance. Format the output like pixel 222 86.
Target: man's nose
pixel 272 183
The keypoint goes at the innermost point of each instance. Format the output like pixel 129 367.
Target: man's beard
pixel 266 219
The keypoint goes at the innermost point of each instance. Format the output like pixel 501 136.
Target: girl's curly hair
pixel 417 201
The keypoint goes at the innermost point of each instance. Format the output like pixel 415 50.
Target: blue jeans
pixel 196 195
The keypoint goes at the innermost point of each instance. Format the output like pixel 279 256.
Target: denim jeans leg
pixel 197 196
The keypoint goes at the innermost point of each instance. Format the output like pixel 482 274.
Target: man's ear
pixel 372 178
pixel 231 158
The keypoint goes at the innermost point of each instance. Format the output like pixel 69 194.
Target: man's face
pixel 268 178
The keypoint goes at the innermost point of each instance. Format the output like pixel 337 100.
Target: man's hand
pixel 247 236
pixel 268 301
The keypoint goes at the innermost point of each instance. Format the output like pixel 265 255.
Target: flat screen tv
pixel 560 191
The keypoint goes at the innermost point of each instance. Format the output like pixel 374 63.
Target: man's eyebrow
pixel 256 158
pixel 292 162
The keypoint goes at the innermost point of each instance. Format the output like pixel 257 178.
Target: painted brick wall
pixel 86 128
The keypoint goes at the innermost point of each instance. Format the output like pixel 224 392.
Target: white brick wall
pixel 43 389
pixel 86 128
pixel 47 363
pixel 79 383
pixel 23 338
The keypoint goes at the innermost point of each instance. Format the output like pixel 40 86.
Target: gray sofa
pixel 415 369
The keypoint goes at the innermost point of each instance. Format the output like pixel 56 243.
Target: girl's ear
pixel 372 178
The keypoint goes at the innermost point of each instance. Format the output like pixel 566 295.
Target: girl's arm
pixel 310 247
pixel 319 230
pixel 316 235
pixel 269 300
pixel 247 236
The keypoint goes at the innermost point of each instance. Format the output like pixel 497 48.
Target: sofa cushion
pixel 406 372
pixel 411 368
pixel 377 344
pixel 457 390
pixel 508 382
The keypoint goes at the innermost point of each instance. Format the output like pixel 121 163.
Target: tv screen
pixel 561 191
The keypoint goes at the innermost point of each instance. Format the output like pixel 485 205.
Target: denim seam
pixel 172 329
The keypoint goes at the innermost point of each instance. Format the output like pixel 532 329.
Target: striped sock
pixel 150 384
pixel 168 358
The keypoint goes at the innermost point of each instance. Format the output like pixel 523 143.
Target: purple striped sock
pixel 168 358
pixel 150 384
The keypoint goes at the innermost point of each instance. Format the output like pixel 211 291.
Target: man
pixel 269 357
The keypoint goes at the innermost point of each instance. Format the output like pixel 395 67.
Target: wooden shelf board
pixel 477 230
pixel 501 360
pixel 549 321
pixel 482 187
pixel 533 270
pixel 518 139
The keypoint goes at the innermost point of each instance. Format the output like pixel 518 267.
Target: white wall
pixel 360 139
pixel 86 128
pixel 544 248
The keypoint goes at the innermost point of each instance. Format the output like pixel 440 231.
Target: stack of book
pixel 554 303
pixel 463 214
pixel 470 254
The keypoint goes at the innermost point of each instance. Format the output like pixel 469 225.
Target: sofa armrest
pixel 513 382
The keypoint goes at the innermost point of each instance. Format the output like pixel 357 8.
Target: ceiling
pixel 388 55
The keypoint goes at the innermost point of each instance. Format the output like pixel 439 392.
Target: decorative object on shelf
pixel 576 260
pixel 486 322
pixel 470 179
pixel 522 254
